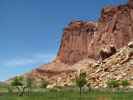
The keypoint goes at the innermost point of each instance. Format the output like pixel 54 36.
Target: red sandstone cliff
pixel 83 39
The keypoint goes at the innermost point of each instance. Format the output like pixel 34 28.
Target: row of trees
pixel 24 85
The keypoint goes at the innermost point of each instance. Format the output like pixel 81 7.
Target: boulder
pixel 105 53
pixel 130 44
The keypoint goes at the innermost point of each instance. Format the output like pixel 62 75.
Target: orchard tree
pixel 22 84
pixel 18 83
pixel 81 81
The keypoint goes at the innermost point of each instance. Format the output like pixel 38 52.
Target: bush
pixel 124 83
pixel 113 83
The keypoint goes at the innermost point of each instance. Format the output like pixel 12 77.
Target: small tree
pixel 22 84
pixel 81 81
pixel 18 83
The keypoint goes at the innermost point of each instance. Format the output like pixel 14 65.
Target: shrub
pixel 113 83
pixel 124 83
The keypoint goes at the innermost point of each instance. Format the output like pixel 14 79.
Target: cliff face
pixel 80 46
pixel 84 39
pixel 75 41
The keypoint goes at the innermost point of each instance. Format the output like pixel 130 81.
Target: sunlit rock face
pixel 83 42
pixel 75 41
pixel 84 39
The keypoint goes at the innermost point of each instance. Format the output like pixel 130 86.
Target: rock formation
pixel 76 38
pixel 106 52
pixel 82 41
pixel 116 67
pixel 130 3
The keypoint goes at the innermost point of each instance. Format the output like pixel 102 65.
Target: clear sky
pixel 30 30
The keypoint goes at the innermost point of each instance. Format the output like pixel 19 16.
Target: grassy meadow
pixel 68 94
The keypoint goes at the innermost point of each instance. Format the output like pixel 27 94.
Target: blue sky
pixel 30 30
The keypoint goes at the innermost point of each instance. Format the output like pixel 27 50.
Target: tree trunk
pixel 19 91
pixel 23 91
pixel 80 91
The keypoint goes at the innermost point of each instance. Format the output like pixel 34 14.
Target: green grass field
pixel 69 94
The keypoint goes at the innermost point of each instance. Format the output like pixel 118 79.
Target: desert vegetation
pixel 24 89
pixel 81 81
pixel 110 62
pixel 69 94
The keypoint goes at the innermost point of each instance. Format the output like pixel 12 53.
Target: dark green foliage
pixel 18 81
pixel 22 85
pixel 125 83
pixel 81 81
pixel 113 83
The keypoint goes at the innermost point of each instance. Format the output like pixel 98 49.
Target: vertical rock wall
pixel 82 39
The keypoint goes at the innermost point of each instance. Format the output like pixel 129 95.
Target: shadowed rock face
pixel 106 52
pixel 130 3
pixel 82 39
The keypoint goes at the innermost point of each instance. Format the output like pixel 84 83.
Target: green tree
pixel 81 81
pixel 18 82
pixel 22 84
